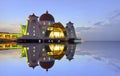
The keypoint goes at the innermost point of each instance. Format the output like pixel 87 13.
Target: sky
pixel 94 20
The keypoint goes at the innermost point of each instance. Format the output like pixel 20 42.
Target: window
pixel 49 23
pixel 34 34
pixel 33 26
pixel 27 33
pixel 34 47
pixel 27 48
pixel 34 31
pixel 44 23
pixel 43 49
pixel 33 54
pixel 43 32
pixel 33 50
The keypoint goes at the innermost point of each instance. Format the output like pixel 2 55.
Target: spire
pixel 47 70
pixel 33 14
pixel 69 23
pixel 47 12
pixel 33 67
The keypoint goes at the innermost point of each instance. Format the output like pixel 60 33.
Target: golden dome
pixel 56 30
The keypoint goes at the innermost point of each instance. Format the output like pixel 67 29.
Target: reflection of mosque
pixel 45 55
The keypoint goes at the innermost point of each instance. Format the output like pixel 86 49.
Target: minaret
pixel 70 31
pixel 33 27
pixel 32 51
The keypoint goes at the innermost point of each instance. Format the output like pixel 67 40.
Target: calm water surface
pixel 89 59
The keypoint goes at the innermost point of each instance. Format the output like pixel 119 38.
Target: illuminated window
pixel 33 26
pixel 49 58
pixel 43 32
pixel 44 23
pixel 33 54
pixel 43 49
pixel 27 33
pixel 44 58
pixel 27 48
pixel 34 31
pixel 34 47
pixel 33 50
pixel 39 40
pixel 34 34
pixel 49 23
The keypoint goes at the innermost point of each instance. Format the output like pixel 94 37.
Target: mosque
pixel 45 29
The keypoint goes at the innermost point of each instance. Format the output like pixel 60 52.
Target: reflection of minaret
pixel 70 51
pixel 32 54
pixel 46 61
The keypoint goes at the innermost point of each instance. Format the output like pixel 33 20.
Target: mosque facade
pixel 45 28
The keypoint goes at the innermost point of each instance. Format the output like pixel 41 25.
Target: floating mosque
pixel 45 29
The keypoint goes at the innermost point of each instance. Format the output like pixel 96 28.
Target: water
pixel 89 59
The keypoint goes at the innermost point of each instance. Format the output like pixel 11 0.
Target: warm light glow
pixel 56 33
pixel 10 46
pixel 23 29
pixel 7 36
pixel 56 49
pixel 27 33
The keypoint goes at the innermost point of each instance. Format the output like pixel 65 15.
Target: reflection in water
pixel 44 55
pixel 91 59
pixel 13 45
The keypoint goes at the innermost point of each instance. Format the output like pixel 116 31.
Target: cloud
pixel 82 28
pixel 106 30
pixel 8 54
pixel 114 18
pixel 115 15
pixel 12 28
pixel 99 23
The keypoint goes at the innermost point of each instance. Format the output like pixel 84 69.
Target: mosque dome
pixel 46 65
pixel 47 17
pixel 56 30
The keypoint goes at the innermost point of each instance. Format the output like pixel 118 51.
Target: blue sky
pixel 92 18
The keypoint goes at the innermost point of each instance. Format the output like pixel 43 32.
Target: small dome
pixel 46 17
pixel 46 65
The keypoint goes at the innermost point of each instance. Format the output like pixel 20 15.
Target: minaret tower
pixel 33 27
pixel 70 31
